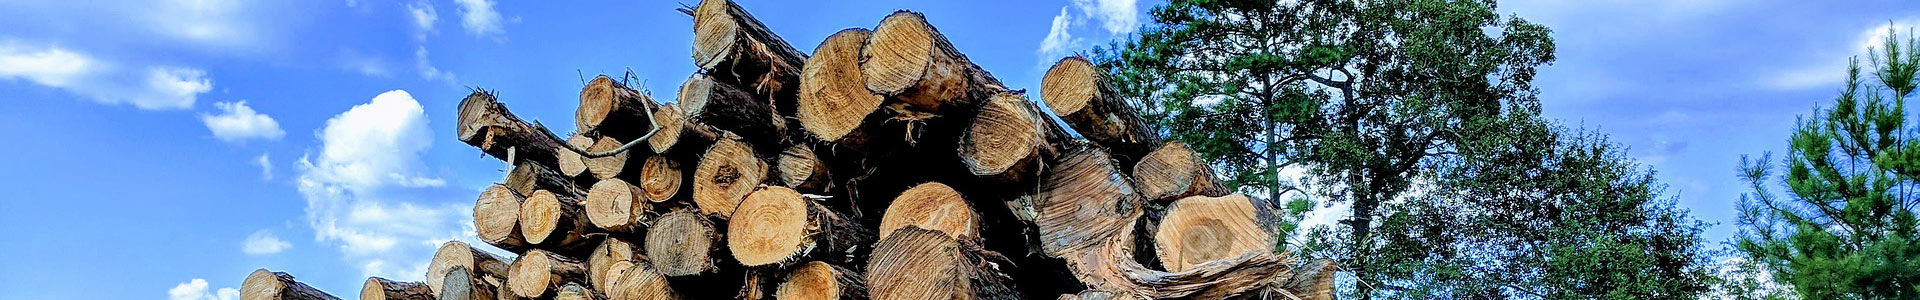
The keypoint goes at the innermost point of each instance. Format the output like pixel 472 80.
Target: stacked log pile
pixel 886 165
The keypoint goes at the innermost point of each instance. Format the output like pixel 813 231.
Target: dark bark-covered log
pixel 637 280
pixel 777 226
pixel 486 124
pixel 555 223
pixel 726 173
pixel 909 60
pixel 610 109
pixel 914 263
pixel 574 291
pixel 526 177
pixel 834 98
pixel 458 283
pixel 1009 139
pixel 730 108
pixel 684 243
pixel 539 273
pixel 1079 93
pixel 800 168
pixel 1201 229
pixel 822 281
pixel 1084 199
pixel 1172 172
pixel 731 45
pixel 572 164
pixel 456 254
pixel 611 250
pixel 377 288
pixel 270 285
pixel 496 218
pixel 615 206
pixel 931 206
pixel 661 179
pixel 678 133
pixel 607 167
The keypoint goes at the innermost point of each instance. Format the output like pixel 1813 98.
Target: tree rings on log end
pixel 770 227
pixel 932 206
pixel 833 92
pixel 1070 85
pixel 1199 229
pixel 1002 135
pixel 727 172
pixel 681 243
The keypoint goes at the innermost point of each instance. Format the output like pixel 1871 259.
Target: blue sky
pixel 169 147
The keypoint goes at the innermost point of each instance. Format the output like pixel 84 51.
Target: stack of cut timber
pixel 886 165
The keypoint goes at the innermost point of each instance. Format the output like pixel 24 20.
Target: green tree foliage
pixel 1845 227
pixel 1420 115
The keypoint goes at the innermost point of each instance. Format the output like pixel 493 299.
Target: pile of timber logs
pixel 886 165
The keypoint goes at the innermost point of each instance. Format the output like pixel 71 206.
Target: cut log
pixel 1313 282
pixel 678 132
pixel 726 173
pixel 1079 93
pixel 777 226
pixel 270 285
pixel 573 291
pixel 661 179
pixel 1200 229
pixel 610 251
pixel 606 167
pixel 914 263
pixel 496 218
pixel 683 243
pixel 1110 266
pixel 615 206
pixel 572 164
pixel 639 281
pixel 1104 295
pixel 822 281
pixel 377 288
pixel 932 206
pixel 730 44
pixel 1173 172
pixel 833 92
pixel 730 108
pixel 526 177
pixel 486 124
pixel 610 109
pixel 539 273
pixel 455 254
pixel 909 60
pixel 1008 139
pixel 1084 199
pixel 555 223
pixel 460 284
pixel 801 169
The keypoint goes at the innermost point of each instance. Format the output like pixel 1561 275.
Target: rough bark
pixel 610 251
pixel 909 60
pixel 610 109
pixel 488 125
pixel 458 283
pixel 726 173
pixel 822 281
pixel 1201 229
pixel 684 243
pixel 730 108
pixel 661 179
pixel 931 206
pixel 914 263
pixel 800 168
pixel 456 254
pixel 270 285
pixel 834 98
pixel 615 206
pixel 731 45
pixel 540 273
pixel 496 218
pixel 377 288
pixel 1174 171
pixel 555 223
pixel 1079 93
pixel 1009 139
pixel 526 177
pixel 777 226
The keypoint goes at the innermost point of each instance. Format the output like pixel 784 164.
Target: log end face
pixel 898 54
pixel 540 216
pixel 496 216
pixel 610 204
pixel 694 94
pixel 1070 85
pixel 727 172
pixel 451 254
pixel 811 281
pixel 714 32
pixel 530 277
pixel 572 163
pixel 373 289
pixel 770 227
pixel 671 122
pixel 474 112
pixel 796 165
pixel 680 244
pixel 916 263
pixel 262 285
pixel 833 96
pixel 660 179
pixel 931 206
pixel 1002 135
pixel 596 102
pixel 1166 172
pixel 608 166
pixel 1200 229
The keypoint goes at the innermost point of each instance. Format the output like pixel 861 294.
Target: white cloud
pixel 212 22
pixel 1117 16
pixel 479 18
pixel 427 70
pixel 266 166
pixel 152 88
pixel 1058 42
pixel 423 18
pixel 196 289
pixel 236 123
pixel 263 242
pixel 1831 70
pixel 369 158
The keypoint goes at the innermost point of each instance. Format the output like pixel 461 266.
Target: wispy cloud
pixel 1059 42
pixel 426 68
pixel 151 87
pixel 423 16
pixel 480 19
pixel 369 157
pixel 1117 16
pixel 196 289
pixel 235 122
pixel 1831 70
pixel 266 166
pixel 263 242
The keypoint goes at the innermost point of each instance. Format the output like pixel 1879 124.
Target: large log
pixel 572 164
pixel 909 60
pixel 777 226
pixel 726 173
pixel 730 108
pixel 539 273
pixel 610 109
pixel 678 133
pixel 496 218
pixel 486 124
pixel 615 206
pixel 822 281
pixel 606 167
pixel 555 223
pixel 456 254
pixel 527 176
pixel 800 168
pixel 1172 172
pixel 458 283
pixel 610 251
pixel 1079 93
pixel 377 288
pixel 661 179
pixel 931 206
pixel 914 263
pixel 731 45
pixel 834 98
pixel 1200 229
pixel 637 280
pixel 1084 199
pixel 1009 139
pixel 270 285
pixel 684 243
pixel 1110 266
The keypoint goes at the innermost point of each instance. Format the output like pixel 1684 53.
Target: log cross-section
pixel 539 273
pixel 684 243
pixel 610 109
pixel 906 58
pixel 377 288
pixel 932 206
pixel 1200 229
pixel 914 263
pixel 822 281
pixel 456 254
pixel 778 226
pixel 726 173
pixel 614 205
pixel 1078 91
pixel 270 285
pixel 1174 171
pixel 834 98
pixel 731 45
pixel 496 218
pixel 486 124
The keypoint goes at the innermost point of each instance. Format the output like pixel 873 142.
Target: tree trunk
pixel 914 263
pixel 607 167
pixel 679 134
pixel 777 226
pixel 1084 200
pixel 931 206
pixel 610 109
pixel 270 285
pixel 1201 229
pixel 526 177
pixel 637 280
pixel 731 45
pixel 909 60
pixel 496 218
pixel 377 288
pixel 1008 139
pixel 486 124
pixel 1173 172
pixel 611 250
pixel 684 243
pixel 726 173
pixel 822 281
pixel 834 99
pixel 539 273
pixel 555 223
pixel 459 283
pixel 455 254
pixel 801 169
pixel 1079 93
pixel 661 179
pixel 615 206
pixel 730 108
